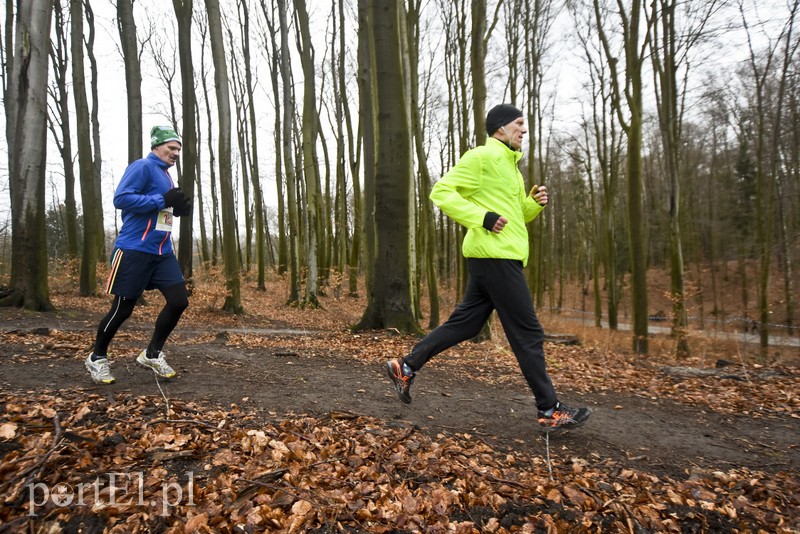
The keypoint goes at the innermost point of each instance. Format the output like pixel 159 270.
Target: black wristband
pixel 490 219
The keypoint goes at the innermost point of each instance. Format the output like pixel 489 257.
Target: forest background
pixel 666 133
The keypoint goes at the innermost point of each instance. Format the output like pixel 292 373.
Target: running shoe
pixel 402 382
pixel 158 365
pixel 563 416
pixel 99 370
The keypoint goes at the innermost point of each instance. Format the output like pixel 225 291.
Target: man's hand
pixel 174 197
pixel 539 194
pixel 499 225
pixel 183 209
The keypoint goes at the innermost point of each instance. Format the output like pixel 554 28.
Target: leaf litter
pixel 77 460
pixel 229 472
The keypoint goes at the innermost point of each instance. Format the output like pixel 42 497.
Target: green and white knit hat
pixel 163 134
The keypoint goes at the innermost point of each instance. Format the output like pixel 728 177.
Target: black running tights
pixel 177 300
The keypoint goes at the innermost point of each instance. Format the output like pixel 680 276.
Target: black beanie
pixel 500 115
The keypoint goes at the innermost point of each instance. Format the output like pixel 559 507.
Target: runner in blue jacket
pixel 143 257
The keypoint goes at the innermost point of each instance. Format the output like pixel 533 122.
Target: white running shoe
pixel 158 365
pixel 99 370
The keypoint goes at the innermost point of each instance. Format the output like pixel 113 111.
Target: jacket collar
pixel 496 143
pixel 157 160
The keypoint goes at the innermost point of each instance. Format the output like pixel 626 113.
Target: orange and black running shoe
pixel 402 382
pixel 564 417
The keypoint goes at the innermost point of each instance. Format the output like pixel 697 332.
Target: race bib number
pixel 164 222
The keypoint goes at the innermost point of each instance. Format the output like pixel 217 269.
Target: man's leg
pixel 167 277
pixel 177 300
pixel 509 292
pixel 97 362
pixel 130 270
pixel 505 283
pixel 121 310
pixel 125 282
pixel 464 323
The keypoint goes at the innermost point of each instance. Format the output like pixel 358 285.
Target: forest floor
pixel 283 419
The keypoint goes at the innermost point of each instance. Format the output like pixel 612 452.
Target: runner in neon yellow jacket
pixel 485 193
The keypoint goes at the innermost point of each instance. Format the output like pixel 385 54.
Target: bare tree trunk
pixel 199 205
pixel 413 203
pixel 275 59
pixel 456 24
pixel 326 253
pixel 288 158
pixel 88 275
pixel 188 177
pixel 310 167
pixel 97 158
pixel 453 233
pixel 367 118
pixel 339 90
pixel 353 149
pixel 789 211
pixel 631 90
pixel 477 59
pixel 242 128
pixel 592 132
pixel 27 116
pixel 428 232
pixel 712 246
pixel 258 197
pixel 780 175
pixel 233 300
pixel 537 21
pixel 514 35
pixel 215 222
pixel 133 76
pixel 7 71
pixel 596 256
pixel 59 55
pixel 665 66
pixel 390 302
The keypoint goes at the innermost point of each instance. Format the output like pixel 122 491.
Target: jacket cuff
pixel 490 219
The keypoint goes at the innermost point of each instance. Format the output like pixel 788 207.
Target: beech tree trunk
pixel 188 177
pixel 230 250
pixel 133 75
pixel 310 166
pixel 390 303
pixel 27 134
pixel 89 257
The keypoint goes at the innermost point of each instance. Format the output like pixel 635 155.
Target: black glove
pixel 174 197
pixel 183 209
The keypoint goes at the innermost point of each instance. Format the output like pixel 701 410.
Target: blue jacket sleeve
pixel 136 192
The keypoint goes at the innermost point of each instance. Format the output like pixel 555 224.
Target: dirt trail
pixel 661 436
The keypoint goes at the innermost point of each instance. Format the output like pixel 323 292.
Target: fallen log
pixel 725 372
pixel 562 339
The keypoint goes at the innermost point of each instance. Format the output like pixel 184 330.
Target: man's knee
pixel 178 304
pixel 121 309
pixel 177 298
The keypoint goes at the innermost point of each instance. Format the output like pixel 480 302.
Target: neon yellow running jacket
pixel 487 179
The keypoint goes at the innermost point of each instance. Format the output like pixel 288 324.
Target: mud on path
pixel 659 436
